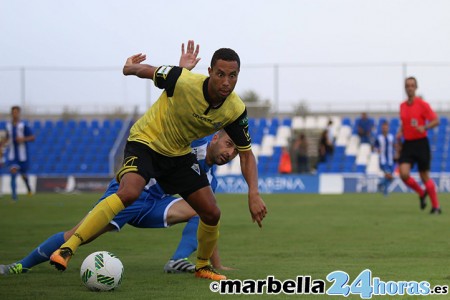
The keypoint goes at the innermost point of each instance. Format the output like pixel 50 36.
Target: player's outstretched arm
pixel 256 204
pixel 189 57
pixel 133 66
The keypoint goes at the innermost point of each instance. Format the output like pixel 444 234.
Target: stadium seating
pixel 82 147
pixel 72 147
pixel 349 154
pixel 347 142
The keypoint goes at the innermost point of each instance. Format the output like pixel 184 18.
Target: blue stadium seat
pixel 106 123
pixel 339 151
pixel 71 124
pixel 95 124
pixel 272 129
pixel 35 168
pixel 84 168
pixel 360 169
pixel 379 123
pixel 251 122
pixel 321 168
pixel 273 167
pixel 350 159
pixel 72 168
pixel 82 124
pixel 273 123
pixel 257 138
pixel 59 124
pixel 118 123
pixel 262 123
pixel 435 167
pixel 349 166
pixel 36 125
pixel 336 166
pixel 48 124
pixel 347 121
pixel 48 168
pixel 263 162
pixel 287 122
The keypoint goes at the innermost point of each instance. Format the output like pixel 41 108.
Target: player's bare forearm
pixel 141 71
pixel 256 204
pixel 133 66
pixel 428 126
pixel 249 170
pixel 432 124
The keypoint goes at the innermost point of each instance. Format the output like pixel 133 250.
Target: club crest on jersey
pixel 196 168
pixel 243 121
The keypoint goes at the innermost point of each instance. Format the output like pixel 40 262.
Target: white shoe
pixel 182 265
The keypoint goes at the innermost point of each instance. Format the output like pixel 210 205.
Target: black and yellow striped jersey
pixel 182 114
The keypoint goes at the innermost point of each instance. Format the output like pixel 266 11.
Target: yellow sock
pixel 97 219
pixel 207 236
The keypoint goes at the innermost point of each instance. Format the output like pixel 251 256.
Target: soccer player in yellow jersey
pixel 191 106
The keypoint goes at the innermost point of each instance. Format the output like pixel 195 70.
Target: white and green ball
pixel 101 271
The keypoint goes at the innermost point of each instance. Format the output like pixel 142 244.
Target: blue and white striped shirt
pixel 385 146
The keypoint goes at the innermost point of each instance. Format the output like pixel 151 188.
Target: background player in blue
pixel 385 146
pixel 153 209
pixel 18 135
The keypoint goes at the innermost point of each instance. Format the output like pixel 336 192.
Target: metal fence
pixel 319 87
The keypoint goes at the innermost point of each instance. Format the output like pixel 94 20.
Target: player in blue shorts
pixel 153 209
pixel 385 146
pixel 18 135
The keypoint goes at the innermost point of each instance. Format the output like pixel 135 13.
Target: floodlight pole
pixel 276 83
pixel 405 74
pixel 22 87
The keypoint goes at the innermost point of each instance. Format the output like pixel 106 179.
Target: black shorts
pixel 176 175
pixel 416 151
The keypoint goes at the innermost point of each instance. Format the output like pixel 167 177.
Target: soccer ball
pixel 101 271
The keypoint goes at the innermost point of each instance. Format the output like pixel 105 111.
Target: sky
pixel 329 54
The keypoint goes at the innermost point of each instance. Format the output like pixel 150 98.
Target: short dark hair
pixel 412 78
pixel 226 54
pixel 15 107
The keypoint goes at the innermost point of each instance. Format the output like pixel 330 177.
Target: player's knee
pixel 404 176
pixel 211 216
pixel 128 196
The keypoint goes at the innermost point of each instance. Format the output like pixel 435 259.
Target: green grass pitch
pixel 302 235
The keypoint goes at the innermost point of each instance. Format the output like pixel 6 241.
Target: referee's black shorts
pixel 176 175
pixel 416 151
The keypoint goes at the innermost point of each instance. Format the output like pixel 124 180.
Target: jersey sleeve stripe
pixel 244 148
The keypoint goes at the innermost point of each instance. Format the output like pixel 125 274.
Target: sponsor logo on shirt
pixel 217 125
